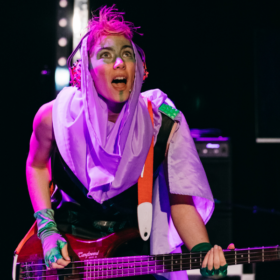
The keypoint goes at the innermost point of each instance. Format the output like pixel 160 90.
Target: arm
pixel 187 220
pixel 37 172
pixel 38 178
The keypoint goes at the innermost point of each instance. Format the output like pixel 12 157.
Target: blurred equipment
pixel 66 40
pixel 63 43
pixel 80 22
pixel 214 152
pixel 267 85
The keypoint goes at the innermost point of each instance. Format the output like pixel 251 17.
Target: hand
pixel 214 263
pixel 61 263
pixel 54 245
pixel 55 251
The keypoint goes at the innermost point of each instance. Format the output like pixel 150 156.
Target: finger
pixel 56 266
pixel 205 261
pixel 211 259
pixel 222 257
pixel 62 262
pixel 216 257
pixel 64 253
pixel 231 246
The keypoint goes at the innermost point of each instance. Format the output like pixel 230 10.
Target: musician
pixel 98 133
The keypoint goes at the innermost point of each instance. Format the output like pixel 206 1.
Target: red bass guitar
pixel 93 259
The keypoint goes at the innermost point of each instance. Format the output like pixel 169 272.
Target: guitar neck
pixel 141 265
pixel 252 255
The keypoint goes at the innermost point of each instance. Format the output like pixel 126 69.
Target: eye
pixel 105 55
pixel 127 54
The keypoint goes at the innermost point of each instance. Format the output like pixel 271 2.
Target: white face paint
pixel 112 67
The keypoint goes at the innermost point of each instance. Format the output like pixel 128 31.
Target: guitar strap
pixel 145 188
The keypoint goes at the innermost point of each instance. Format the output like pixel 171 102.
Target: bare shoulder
pixel 42 124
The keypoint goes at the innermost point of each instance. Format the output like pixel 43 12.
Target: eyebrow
pixel 111 49
pixel 126 46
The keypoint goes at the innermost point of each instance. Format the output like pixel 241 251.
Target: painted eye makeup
pixel 127 54
pixel 105 55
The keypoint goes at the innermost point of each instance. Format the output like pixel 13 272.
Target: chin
pixel 120 98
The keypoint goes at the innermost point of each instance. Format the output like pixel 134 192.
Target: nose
pixel 119 63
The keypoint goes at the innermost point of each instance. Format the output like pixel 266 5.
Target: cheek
pixel 99 74
pixel 131 70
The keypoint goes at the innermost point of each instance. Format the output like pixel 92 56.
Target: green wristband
pixel 45 223
pixel 51 239
pixel 201 247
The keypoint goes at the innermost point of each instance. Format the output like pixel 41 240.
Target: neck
pixel 114 108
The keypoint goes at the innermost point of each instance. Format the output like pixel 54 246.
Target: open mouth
pixel 119 80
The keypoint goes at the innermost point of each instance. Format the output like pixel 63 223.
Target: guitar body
pixel 30 254
pixel 80 249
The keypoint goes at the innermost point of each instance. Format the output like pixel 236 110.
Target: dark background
pixel 201 53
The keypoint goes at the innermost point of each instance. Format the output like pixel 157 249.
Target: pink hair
pixel 109 22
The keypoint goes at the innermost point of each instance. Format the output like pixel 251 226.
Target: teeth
pixel 119 78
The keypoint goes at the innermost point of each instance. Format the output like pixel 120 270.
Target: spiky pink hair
pixel 109 22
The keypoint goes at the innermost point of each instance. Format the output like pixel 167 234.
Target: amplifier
pixel 212 147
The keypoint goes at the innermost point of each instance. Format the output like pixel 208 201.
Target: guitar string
pixel 93 263
pixel 100 276
pixel 155 263
pixel 152 261
pixel 227 254
pixel 117 275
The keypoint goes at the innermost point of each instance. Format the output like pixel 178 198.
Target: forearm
pixel 189 224
pixel 38 179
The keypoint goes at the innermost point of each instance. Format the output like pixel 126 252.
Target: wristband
pixel 201 247
pixel 52 241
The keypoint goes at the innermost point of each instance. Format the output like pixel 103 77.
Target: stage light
pixel 62 22
pixel 76 25
pixel 62 42
pixel 63 3
pixel 45 72
pixel 79 23
pixel 62 77
pixel 62 61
